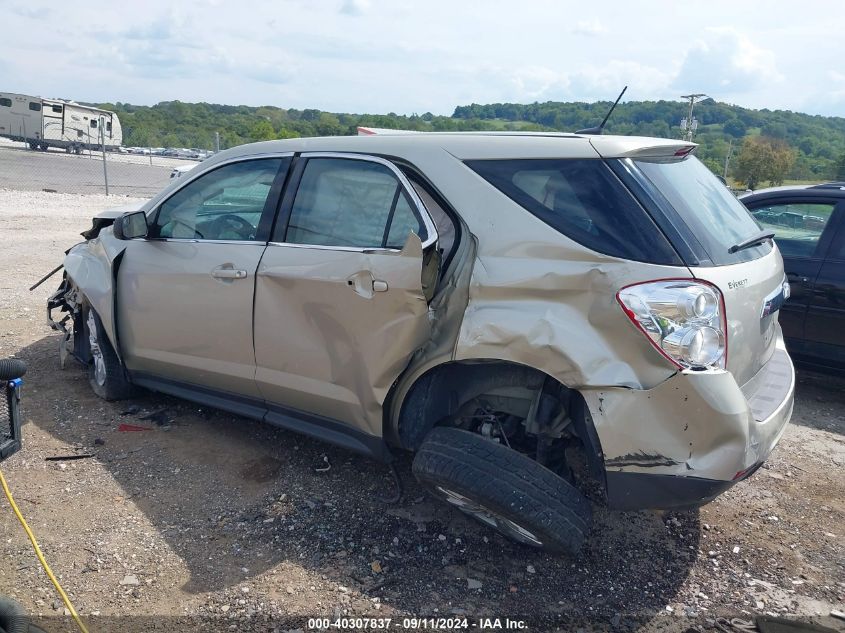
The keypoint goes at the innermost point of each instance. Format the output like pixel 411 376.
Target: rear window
pixel 584 200
pixel 713 215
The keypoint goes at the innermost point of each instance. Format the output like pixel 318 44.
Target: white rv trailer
pixel 44 123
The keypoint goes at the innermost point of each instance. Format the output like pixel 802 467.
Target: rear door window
pixel 584 200
pixel 798 226
pixel 354 203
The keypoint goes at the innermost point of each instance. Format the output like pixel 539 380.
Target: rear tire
pixel 105 371
pixel 503 489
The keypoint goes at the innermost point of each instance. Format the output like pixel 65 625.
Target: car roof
pixel 475 145
pixel 821 190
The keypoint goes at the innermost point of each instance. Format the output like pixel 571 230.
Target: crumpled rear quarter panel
pixel 538 298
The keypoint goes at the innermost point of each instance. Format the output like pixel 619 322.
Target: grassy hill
pixel 819 141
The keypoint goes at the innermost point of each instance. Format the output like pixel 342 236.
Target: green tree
pixel 734 127
pixel 171 140
pixel 262 131
pixel 763 158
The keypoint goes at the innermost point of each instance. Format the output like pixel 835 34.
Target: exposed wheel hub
pixel 477 511
pixel 96 352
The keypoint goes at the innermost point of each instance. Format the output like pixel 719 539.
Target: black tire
pixel 11 368
pixel 105 371
pixel 517 494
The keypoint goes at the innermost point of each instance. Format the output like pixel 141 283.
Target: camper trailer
pixel 44 123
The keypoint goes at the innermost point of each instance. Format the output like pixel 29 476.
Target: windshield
pixel 713 214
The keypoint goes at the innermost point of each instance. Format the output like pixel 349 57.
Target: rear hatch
pixel 708 226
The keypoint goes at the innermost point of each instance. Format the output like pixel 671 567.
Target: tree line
pixel 764 145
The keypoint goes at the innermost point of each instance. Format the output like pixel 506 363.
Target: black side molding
pixel 319 427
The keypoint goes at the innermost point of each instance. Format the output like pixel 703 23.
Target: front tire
pixel 105 371
pixel 503 489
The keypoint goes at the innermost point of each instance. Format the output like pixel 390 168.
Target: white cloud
pixel 727 62
pixel 589 27
pixel 605 81
pixel 355 7
pixel 588 83
pixel 301 53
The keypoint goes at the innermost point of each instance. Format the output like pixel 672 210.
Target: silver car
pixel 533 315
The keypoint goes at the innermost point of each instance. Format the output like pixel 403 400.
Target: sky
pixel 416 56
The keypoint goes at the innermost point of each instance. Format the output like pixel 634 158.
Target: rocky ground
pixel 206 521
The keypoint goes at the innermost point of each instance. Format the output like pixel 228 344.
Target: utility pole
pixel 103 147
pixel 689 125
pixel 217 142
pixel 728 157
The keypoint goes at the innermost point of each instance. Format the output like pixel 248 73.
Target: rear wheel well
pixel 448 395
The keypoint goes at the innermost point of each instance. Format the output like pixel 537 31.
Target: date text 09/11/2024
pixel 413 624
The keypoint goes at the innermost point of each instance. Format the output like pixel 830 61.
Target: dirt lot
pixel 215 518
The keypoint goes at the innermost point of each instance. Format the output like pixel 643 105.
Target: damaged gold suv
pixel 533 315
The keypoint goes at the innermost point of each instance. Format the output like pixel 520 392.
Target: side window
pixel 108 126
pixel 93 122
pixel 402 222
pixel 224 204
pixel 798 226
pixel 582 199
pixel 57 109
pixel 349 202
pixel 6 102
pixel 35 106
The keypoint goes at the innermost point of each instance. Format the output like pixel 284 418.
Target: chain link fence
pixel 56 170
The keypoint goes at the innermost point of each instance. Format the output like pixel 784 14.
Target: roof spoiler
pixel 666 150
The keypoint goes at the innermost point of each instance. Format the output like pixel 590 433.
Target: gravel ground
pixel 214 520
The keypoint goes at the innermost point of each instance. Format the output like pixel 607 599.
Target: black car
pixel 809 227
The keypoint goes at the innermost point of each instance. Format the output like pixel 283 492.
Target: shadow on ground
pixel 820 399
pixel 228 494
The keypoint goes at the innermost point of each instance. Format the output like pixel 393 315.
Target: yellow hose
pixel 38 553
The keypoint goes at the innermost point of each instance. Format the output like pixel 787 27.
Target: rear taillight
pixel 684 320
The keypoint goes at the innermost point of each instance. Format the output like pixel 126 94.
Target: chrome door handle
pixel 362 283
pixel 228 273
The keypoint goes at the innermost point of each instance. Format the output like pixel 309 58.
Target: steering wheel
pixel 236 223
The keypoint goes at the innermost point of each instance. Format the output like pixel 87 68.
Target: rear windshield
pixel 713 215
pixel 584 200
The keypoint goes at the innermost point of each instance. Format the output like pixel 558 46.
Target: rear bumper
pixel 638 491
pixel 693 436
